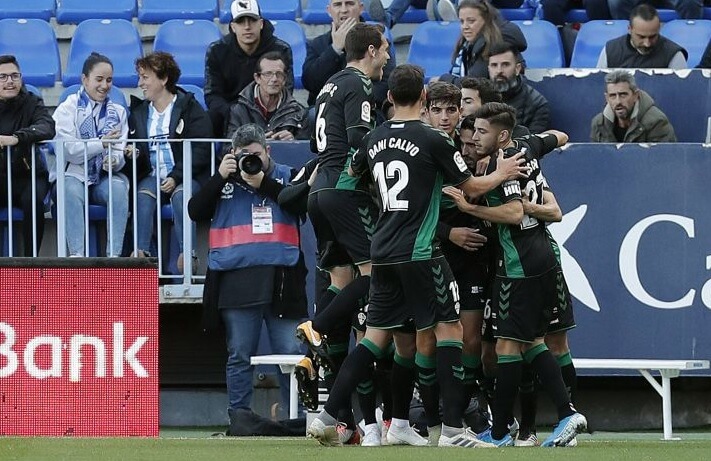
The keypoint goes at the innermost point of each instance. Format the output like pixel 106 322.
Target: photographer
pixel 256 270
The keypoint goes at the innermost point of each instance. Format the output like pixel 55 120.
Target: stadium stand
pixel 545 48
pixel 116 38
pixel 432 45
pixel 76 11
pixel 692 35
pixel 197 91
pixel 275 10
pixel 34 44
pixel 591 40
pixel 707 12
pixel 187 41
pixel 315 13
pixel 292 33
pixel 33 89
pixel 37 9
pixel 115 94
pixel 517 14
pixel 158 11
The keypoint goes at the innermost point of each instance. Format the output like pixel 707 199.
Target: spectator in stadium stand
pixel 167 112
pixel 506 71
pixel 231 62
pixel 482 26
pixel 268 103
pixel 24 120
pixel 325 54
pixel 687 9
pixel 477 92
pixel 256 271
pixel 706 58
pixel 643 46
pixel 90 114
pixel 437 10
pixel 630 114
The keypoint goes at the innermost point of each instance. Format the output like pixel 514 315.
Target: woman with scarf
pixel 482 26
pixel 91 115
pixel 167 112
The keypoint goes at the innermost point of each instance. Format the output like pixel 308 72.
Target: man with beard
pixel 630 114
pixel 643 46
pixel 505 70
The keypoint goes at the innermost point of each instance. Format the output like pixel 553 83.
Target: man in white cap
pixel 232 61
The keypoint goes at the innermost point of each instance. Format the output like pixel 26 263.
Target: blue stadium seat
pixel 33 89
pixel 292 33
pixel 432 45
pixel 667 15
pixel 36 9
pixel 187 41
pixel 34 44
pixel 694 36
pixel 197 91
pixel 116 38
pixel 315 12
pixel 707 12
pixel 115 94
pixel 591 40
pixel 576 15
pixel 76 11
pixel 159 11
pixel 517 14
pixel 545 48
pixel 414 16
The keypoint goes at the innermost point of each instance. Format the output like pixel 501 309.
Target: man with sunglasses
pixel 231 62
pixel 267 103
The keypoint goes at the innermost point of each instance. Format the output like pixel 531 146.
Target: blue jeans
pixel 98 194
pixel 243 327
pixel 687 9
pixel 146 211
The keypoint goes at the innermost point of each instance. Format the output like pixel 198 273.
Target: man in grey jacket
pixel 630 114
pixel 268 103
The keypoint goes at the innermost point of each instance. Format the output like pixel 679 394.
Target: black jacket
pixel 621 53
pixel 188 120
pixel 26 117
pixel 532 109
pixel 228 69
pixel 322 62
pixel 290 115
pixel 475 63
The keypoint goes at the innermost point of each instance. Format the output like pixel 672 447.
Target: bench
pixel 667 369
pixel 286 364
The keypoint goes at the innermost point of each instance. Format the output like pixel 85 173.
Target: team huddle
pixel 432 229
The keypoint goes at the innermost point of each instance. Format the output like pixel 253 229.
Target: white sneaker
pixel 465 439
pixel 573 443
pixel 530 441
pixel 384 432
pixel 433 434
pixel 371 436
pixel 325 435
pixel 405 436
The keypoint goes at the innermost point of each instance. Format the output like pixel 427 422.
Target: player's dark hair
pixel 644 12
pixel 164 66
pixel 360 38
pixel 406 82
pixel 92 61
pixel 485 88
pixel 270 56
pixel 498 114
pixel 443 92
pixel 468 123
pixel 503 47
pixel 9 59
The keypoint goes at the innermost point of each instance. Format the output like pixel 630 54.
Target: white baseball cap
pixel 241 8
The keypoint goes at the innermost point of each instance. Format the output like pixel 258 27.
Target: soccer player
pixel 411 281
pixel 526 285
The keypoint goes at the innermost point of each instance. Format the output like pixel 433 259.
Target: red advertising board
pixel 79 351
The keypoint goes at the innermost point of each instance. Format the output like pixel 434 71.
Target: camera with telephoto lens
pixel 248 162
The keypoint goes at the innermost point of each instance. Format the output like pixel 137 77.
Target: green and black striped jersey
pixel 409 161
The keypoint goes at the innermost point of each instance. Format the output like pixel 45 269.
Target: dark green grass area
pixel 177 445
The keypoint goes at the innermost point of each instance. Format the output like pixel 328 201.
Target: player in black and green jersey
pixel 411 281
pixel 527 274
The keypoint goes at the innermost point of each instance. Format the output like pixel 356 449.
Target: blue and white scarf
pixel 93 128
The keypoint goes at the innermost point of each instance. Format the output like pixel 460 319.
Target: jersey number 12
pixel 395 169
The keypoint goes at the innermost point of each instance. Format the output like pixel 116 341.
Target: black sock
pixel 343 305
pixel 507 381
pixel 487 384
pixel 383 382
pixel 428 387
pixel 402 384
pixel 326 299
pixel 471 364
pixel 450 374
pixel 570 377
pixel 528 396
pixel 356 368
pixel 337 353
pixel 551 379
